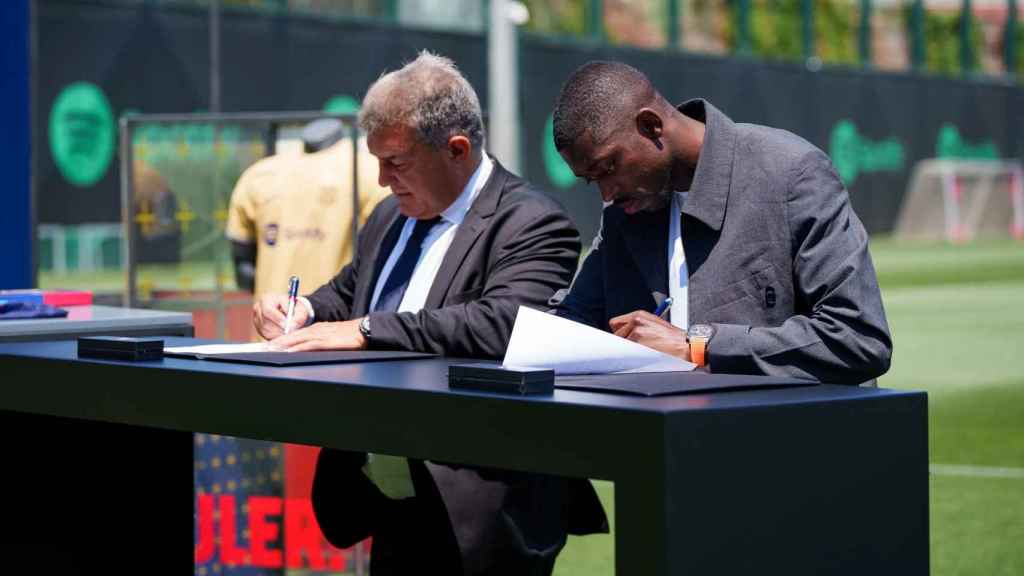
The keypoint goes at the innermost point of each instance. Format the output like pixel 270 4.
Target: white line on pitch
pixel 976 471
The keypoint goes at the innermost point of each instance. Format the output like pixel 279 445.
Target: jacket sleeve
pixel 842 337
pixel 534 254
pixel 347 505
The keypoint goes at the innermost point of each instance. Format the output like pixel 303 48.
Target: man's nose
pixel 384 176
pixel 608 191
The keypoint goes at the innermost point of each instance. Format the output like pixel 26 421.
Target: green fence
pixel 969 37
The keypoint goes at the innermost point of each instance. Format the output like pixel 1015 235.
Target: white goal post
pixel 959 200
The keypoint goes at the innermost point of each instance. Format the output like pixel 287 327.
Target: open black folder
pixel 304 358
pixel 666 383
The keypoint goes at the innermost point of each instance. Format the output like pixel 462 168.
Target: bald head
pixel 597 99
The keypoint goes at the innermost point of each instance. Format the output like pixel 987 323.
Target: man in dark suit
pixel 442 266
pixel 747 228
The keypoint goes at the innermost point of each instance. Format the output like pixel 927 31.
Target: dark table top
pixel 403 407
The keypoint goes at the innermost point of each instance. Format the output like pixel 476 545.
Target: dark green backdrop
pixel 874 125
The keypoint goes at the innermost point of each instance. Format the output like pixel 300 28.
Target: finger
pixel 638 334
pixel 274 315
pixel 625 330
pixel 645 318
pixel 652 319
pixel 625 323
pixel 257 317
pixel 286 341
pixel 268 330
pixel 618 321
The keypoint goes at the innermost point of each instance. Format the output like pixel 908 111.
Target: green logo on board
pixel 951 145
pixel 82 133
pixel 558 171
pixel 852 154
pixel 342 104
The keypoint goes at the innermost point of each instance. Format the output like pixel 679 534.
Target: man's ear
pixel 649 125
pixel 459 147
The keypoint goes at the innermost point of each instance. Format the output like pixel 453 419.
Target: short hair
pixel 595 99
pixel 430 96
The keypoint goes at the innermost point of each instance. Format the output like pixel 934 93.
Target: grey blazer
pixel 515 246
pixel 778 261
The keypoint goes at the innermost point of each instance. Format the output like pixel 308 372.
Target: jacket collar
pixel 709 193
pixel 484 206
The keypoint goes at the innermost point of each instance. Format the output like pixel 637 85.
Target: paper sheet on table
pixel 213 349
pixel 546 341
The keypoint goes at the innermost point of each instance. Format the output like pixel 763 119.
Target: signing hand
pixel 323 336
pixel 645 328
pixel 268 314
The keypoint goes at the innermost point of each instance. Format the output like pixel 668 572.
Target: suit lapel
pixel 646 237
pixel 378 256
pixel 484 206
pixel 709 193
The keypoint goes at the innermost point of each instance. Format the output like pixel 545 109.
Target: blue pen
pixel 663 307
pixel 293 296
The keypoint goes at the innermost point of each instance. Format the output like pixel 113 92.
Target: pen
pixel 663 307
pixel 293 295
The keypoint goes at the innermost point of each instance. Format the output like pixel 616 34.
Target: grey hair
pixel 597 99
pixel 430 96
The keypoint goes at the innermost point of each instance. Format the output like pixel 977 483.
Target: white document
pixel 541 340
pixel 214 349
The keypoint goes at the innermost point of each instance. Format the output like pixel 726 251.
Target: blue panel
pixel 15 147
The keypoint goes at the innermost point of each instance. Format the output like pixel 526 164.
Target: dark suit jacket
pixel 777 260
pixel 515 247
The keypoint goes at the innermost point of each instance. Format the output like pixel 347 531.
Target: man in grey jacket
pixel 747 228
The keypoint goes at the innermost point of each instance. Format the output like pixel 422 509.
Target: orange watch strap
pixel 697 348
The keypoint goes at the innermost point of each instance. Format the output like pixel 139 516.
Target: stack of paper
pixel 543 340
pixel 214 349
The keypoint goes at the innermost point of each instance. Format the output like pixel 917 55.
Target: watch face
pixel 701 331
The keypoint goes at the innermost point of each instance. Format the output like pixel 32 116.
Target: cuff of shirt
pixel 309 308
pixel 729 351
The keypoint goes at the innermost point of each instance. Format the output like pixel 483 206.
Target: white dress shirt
pixel 678 278
pixel 435 245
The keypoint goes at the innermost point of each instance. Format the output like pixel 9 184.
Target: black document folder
pixel 666 383
pixel 497 378
pixel 305 358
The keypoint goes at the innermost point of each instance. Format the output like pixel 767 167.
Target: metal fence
pixel 175 254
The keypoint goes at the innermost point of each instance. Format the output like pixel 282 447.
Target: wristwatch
pixel 364 327
pixel 699 335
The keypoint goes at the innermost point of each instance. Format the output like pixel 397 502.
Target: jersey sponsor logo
pixel 304 234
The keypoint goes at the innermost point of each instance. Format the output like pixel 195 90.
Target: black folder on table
pixel 666 383
pixel 305 358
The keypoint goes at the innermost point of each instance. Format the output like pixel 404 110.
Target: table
pixel 812 480
pixel 68 515
pixel 93 320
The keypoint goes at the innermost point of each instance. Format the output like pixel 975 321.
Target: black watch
pixel 364 327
